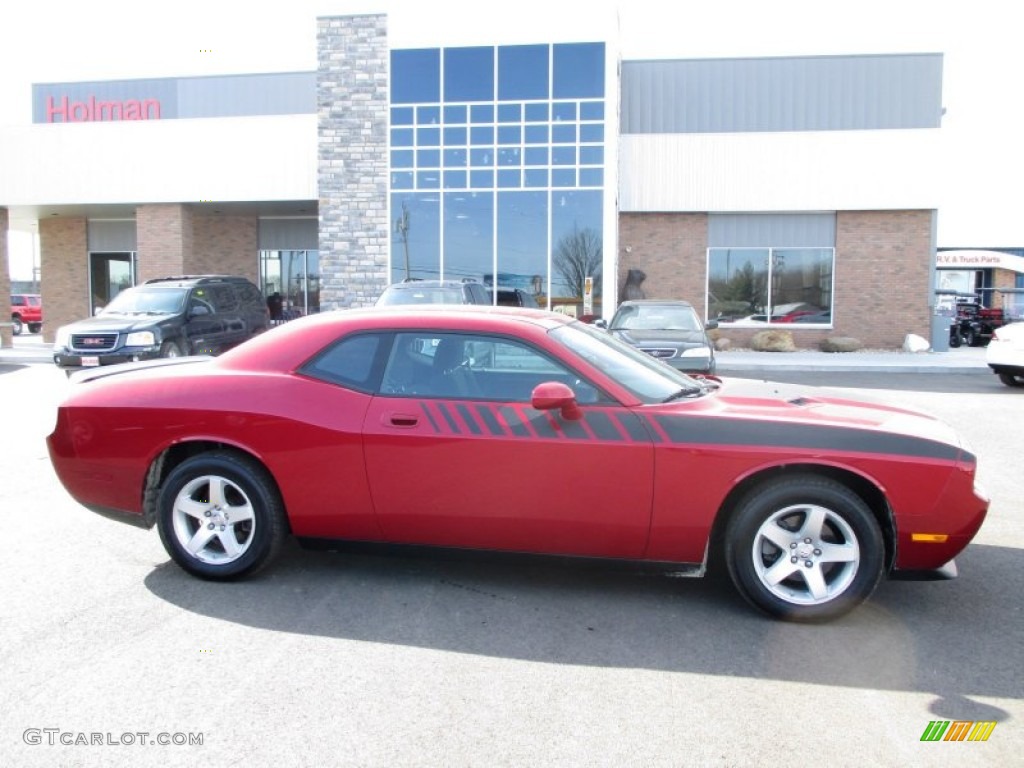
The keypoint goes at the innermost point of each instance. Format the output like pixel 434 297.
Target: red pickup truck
pixel 26 310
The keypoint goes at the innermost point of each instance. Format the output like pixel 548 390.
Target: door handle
pixel 402 419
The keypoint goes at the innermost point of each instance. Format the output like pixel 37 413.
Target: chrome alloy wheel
pixel 213 519
pixel 805 554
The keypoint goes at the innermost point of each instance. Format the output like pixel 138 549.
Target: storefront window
pixel 109 274
pixel 291 282
pixel 756 286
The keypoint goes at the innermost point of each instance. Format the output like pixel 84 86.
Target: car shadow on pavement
pixel 952 639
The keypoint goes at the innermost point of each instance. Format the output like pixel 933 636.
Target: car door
pixel 203 328
pixel 456 455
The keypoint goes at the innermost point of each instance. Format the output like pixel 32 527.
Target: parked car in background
pixel 434 292
pixel 165 317
pixel 1005 354
pixel 515 297
pixel 671 331
pixel 519 431
pixel 452 292
pixel 26 312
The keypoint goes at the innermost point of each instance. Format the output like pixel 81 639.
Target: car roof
pixel 184 280
pixel 656 302
pixel 287 346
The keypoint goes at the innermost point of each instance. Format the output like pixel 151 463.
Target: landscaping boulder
pixel 840 344
pixel 914 343
pixel 773 341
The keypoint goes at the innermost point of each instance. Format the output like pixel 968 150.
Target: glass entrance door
pixel 109 274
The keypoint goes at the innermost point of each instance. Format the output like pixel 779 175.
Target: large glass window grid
pixel 769 286
pixel 483 185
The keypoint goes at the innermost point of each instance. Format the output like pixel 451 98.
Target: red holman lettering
pixel 94 110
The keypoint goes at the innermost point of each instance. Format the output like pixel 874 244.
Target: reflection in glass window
pixel 415 76
pixel 428 137
pixel 577 247
pixel 468 234
pixel 756 286
pixel 523 72
pixel 416 224
pixel 523 243
pixel 536 134
pixel 402 116
pixel 481 113
pixel 536 113
pixel 428 115
pixel 454 114
pixel 455 158
pixel 469 74
pixel 579 71
pixel 349 363
pixel 454 136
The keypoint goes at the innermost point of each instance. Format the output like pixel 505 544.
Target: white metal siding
pixel 755 172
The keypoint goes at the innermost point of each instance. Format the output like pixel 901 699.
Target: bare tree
pixel 579 255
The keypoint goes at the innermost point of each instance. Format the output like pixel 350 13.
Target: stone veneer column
pixel 6 334
pixel 352 125
pixel 164 237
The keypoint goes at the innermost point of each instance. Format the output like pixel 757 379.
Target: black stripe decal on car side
pixel 467 417
pixel 719 431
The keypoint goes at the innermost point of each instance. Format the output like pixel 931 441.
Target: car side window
pixel 224 298
pixel 352 362
pixel 463 366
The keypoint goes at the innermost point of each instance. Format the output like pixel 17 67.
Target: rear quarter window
pixel 354 362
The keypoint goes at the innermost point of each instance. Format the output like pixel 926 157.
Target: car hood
pixel 114 322
pixel 805 407
pixel 641 336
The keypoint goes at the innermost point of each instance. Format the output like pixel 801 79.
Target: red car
pixel 515 430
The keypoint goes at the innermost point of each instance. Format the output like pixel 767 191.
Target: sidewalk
pixel 30 349
pixel 960 360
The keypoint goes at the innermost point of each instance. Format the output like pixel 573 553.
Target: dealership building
pixel 792 191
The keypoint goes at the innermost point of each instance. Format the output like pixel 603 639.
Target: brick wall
pixel 64 263
pixel 224 245
pixel 671 248
pixel 352 123
pixel 165 240
pixel 882 272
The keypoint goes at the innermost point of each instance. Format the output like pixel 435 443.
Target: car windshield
pixel 655 317
pixel 434 295
pixel 147 300
pixel 650 380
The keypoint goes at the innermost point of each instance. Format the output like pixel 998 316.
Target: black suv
pixel 165 317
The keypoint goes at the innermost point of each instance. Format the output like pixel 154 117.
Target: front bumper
pixel 69 359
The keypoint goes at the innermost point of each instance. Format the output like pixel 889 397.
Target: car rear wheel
pixel 220 516
pixel 35 327
pixel 804 548
pixel 1011 380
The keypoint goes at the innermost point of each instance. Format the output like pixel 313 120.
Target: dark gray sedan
pixel 668 330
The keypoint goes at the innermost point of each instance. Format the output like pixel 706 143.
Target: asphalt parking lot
pixel 342 659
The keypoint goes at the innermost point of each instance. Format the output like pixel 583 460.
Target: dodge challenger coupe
pixel 515 431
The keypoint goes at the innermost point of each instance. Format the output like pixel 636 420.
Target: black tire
pixel 954 339
pixel 229 507
pixel 16 326
pixel 35 327
pixel 1010 380
pixel 784 524
pixel 970 338
pixel 170 349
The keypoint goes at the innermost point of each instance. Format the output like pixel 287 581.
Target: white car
pixel 1005 354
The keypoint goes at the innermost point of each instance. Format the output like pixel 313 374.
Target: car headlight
pixel 63 336
pixel 696 352
pixel 140 339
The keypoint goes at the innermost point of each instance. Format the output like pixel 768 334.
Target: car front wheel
pixel 804 548
pixel 170 349
pixel 220 516
pixel 16 326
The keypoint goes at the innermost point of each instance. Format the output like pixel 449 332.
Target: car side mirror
pixel 710 325
pixel 552 395
pixel 601 323
pixel 198 310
